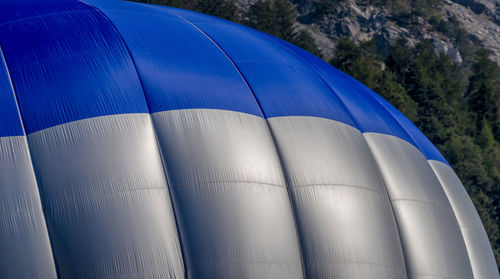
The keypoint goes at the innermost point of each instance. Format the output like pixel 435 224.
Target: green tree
pixel 362 63
pixel 305 40
pixel 221 8
pixel 485 139
pixel 261 16
pixel 483 92
pixel 285 16
pixel 395 94
pixel 277 17
pixel 357 61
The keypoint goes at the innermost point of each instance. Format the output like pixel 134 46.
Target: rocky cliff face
pixel 361 21
pixel 484 26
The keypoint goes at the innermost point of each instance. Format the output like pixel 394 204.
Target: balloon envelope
pixel 140 141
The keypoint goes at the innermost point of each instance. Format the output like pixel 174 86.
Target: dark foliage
pixel 225 9
pixel 277 17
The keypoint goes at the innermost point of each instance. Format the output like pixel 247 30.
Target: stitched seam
pixel 100 196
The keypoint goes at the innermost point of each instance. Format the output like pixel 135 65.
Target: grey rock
pixel 361 22
pixel 480 26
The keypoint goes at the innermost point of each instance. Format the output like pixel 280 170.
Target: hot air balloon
pixel 139 141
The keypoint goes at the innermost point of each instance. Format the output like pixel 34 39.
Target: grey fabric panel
pixel 229 193
pixel 106 199
pixel 24 241
pixel 476 240
pixel 432 242
pixel 340 201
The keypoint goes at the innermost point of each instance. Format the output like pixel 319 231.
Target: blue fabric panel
pixel 180 68
pixel 10 124
pixel 80 67
pixel 422 142
pixel 402 127
pixel 283 84
pixel 369 114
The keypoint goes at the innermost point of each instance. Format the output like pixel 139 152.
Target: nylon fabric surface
pixel 476 239
pixel 10 123
pixel 172 55
pixel 197 188
pixel 171 144
pixel 368 120
pixel 24 240
pixel 263 62
pixel 80 67
pixel 427 225
pixel 262 92
pixel 283 85
pixel 341 203
pixel 108 212
pixel 223 169
pixel 372 115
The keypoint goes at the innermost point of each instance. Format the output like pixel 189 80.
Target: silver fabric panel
pixel 106 199
pixel 229 194
pixel 340 201
pixel 476 240
pixel 431 238
pixel 24 241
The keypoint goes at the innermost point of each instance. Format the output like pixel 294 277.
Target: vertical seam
pixel 11 83
pixel 272 135
pixel 433 170
pixel 164 166
pixel 441 183
pixel 364 140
